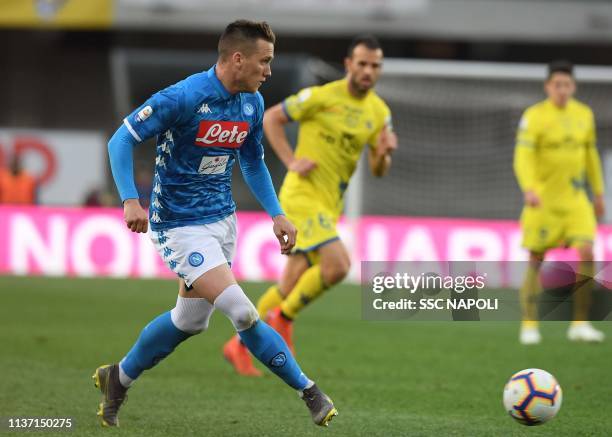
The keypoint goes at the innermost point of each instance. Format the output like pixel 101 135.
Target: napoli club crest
pixel 248 109
pixel 278 360
pixel 196 259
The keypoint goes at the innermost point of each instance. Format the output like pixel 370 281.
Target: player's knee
pixel 237 307
pixel 335 272
pixel 191 315
pixel 243 315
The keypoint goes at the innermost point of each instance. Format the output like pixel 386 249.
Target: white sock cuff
pixel 309 384
pixel 191 314
pixel 124 379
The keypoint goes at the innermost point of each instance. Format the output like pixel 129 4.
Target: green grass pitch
pixel 386 378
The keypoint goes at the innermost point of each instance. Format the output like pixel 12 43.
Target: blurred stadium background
pixel 457 76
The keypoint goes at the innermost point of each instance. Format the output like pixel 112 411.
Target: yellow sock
pixel 529 296
pixel 582 295
pixel 308 288
pixel 269 300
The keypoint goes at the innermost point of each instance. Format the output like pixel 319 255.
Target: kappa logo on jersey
pixel 204 109
pixel 230 134
pixel 213 164
pixel 144 113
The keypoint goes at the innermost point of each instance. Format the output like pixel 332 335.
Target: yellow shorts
pixel 545 229
pixel 316 224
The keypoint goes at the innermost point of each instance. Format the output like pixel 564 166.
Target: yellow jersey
pixel 334 127
pixel 556 154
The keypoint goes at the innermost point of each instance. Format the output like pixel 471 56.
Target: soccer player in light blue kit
pixel 203 125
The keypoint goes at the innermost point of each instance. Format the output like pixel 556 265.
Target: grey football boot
pixel 320 405
pixel 106 378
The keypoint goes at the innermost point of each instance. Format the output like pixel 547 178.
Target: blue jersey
pixel 201 130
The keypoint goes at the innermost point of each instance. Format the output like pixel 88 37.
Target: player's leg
pixel 234 351
pixel 528 293
pixel 219 286
pixel 333 266
pixel 316 229
pixel 157 340
pixel 581 235
pixel 296 265
pixel 586 272
pixel 181 249
pixel 301 215
pixel 330 264
pixel 541 231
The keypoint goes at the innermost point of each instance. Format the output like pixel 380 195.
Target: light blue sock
pixel 270 348
pixel 157 340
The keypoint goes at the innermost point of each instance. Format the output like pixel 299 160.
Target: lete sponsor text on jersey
pixel 230 134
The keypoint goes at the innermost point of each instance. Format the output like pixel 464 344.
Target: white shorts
pixel 191 251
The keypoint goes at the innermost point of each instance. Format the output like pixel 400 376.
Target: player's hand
pixel 599 205
pixel 387 142
pixel 135 217
pixel 531 199
pixel 285 232
pixel 302 166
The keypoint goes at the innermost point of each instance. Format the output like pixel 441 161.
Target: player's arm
pixel 274 123
pixel 155 116
pixel 120 153
pixel 257 177
pixel 524 159
pixel 297 107
pixel 594 173
pixel 380 156
pixel 385 143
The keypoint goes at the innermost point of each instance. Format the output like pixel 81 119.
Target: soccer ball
pixel 532 396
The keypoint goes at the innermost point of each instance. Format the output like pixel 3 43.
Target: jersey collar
pixel 550 104
pixel 214 80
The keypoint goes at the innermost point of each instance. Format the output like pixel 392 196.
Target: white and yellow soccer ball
pixel 532 396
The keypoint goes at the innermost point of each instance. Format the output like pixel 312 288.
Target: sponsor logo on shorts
pixel 278 360
pixel 196 259
pixel 213 164
pixel 230 134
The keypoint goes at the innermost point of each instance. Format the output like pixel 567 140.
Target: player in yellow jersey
pixel 555 157
pixel 336 122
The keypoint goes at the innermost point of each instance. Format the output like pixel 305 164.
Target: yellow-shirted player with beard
pixel 555 157
pixel 337 121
